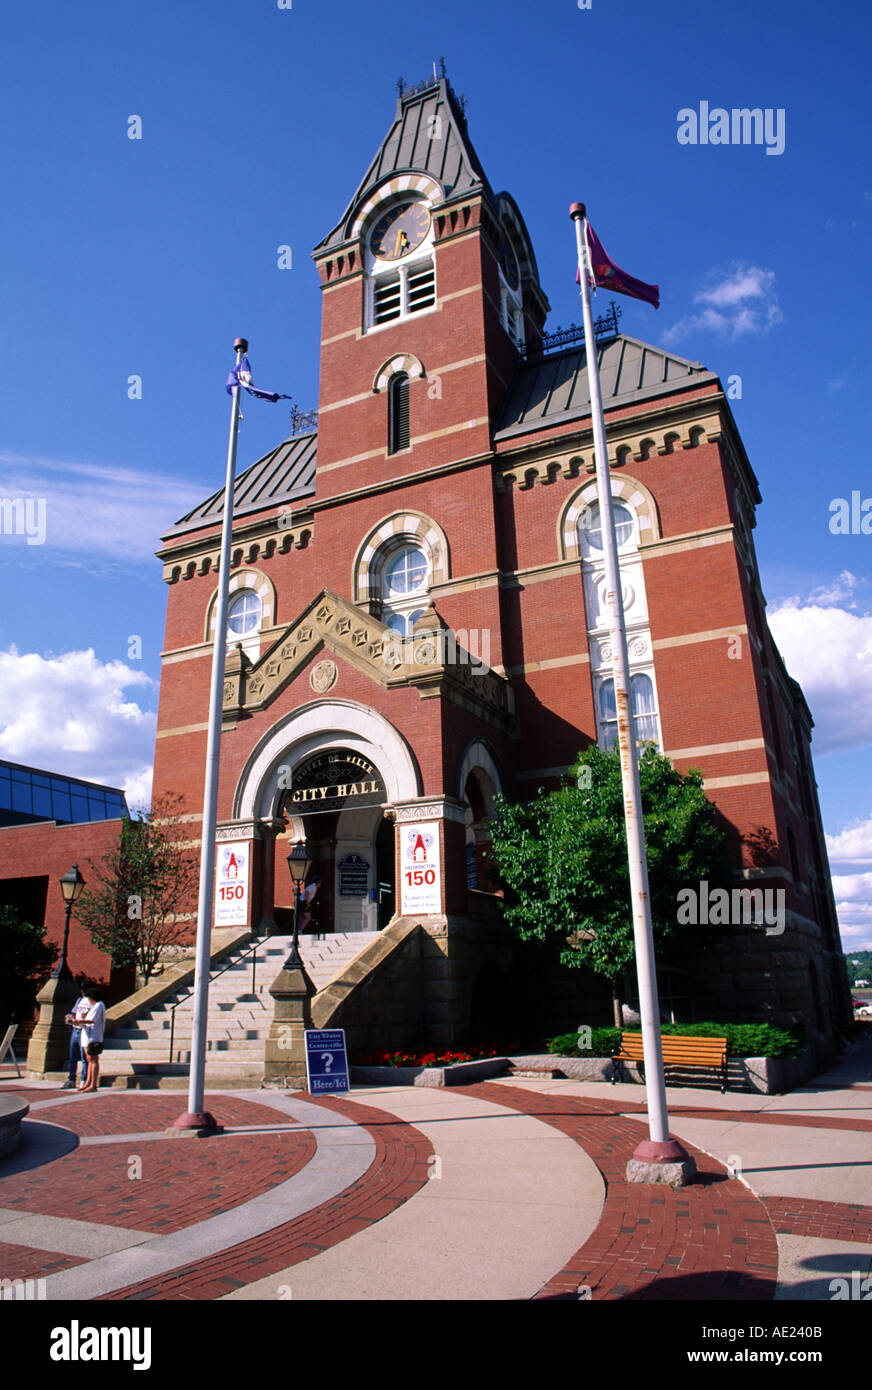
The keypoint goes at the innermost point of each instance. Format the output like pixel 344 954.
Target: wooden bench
pixel 707 1053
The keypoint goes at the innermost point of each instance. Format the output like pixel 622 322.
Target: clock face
pixel 400 230
pixel 509 265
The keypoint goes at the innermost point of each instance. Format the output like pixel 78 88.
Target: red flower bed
pixel 420 1058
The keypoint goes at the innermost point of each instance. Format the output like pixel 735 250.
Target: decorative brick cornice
pixel 254 541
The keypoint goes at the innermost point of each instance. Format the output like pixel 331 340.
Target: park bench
pixel 707 1053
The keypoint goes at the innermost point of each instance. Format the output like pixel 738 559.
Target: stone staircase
pixel 138 1056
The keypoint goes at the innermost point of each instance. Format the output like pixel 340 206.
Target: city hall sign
pixel 333 781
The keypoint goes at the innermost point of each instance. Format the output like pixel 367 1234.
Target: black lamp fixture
pixel 72 884
pixel 298 864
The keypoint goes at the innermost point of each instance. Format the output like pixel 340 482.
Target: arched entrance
pixel 330 772
pixel 339 796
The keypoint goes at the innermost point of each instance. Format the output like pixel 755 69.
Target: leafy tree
pixel 137 906
pixel 563 857
pixel 26 961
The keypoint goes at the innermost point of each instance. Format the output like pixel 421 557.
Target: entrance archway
pixel 331 770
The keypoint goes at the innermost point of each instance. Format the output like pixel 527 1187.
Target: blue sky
pixel 147 257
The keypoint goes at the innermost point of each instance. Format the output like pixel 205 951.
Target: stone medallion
pixel 324 676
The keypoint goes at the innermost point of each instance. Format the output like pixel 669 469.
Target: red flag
pixel 607 275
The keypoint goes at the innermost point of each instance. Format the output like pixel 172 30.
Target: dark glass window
pixel 21 798
pixel 60 802
pixel 80 806
pixel 42 801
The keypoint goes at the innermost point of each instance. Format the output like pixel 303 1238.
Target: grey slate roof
pixel 288 472
pixel 409 147
pixel 554 389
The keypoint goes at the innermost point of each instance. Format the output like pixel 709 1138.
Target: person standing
pixel 74 1019
pixel 307 897
pixel 92 1031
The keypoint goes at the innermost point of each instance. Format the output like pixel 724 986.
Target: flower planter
pixel 457 1074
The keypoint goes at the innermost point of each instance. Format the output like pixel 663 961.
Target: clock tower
pixel 430 288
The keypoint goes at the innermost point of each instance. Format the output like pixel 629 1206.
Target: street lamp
pixel 72 884
pixel 298 863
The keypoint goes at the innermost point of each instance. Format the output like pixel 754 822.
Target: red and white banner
pixel 231 883
pixel 421 891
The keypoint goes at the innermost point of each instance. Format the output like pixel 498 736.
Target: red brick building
pixel 417 618
pixel 48 823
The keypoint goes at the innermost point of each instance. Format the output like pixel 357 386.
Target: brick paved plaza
pixel 507 1190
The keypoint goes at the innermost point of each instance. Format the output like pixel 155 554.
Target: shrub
pixel 743 1039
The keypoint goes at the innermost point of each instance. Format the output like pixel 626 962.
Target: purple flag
pixel 241 376
pixel 607 275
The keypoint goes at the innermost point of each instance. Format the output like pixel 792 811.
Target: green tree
pixel 563 858
pixel 26 961
pixel 139 901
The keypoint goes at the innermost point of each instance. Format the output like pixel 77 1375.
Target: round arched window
pixel 244 613
pixel 406 571
pixel 404 583
pixel 590 525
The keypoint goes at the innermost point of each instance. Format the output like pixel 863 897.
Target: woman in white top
pixel 92 1032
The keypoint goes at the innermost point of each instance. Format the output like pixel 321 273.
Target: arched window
pixel 644 711
pixel 405 579
pixel 398 413
pixel 243 614
pixel 590 527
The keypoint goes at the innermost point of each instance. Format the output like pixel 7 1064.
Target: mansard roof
pixel 553 390
pixel 410 146
pixel 283 475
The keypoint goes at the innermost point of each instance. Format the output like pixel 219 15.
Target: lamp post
pixel 72 884
pixel 298 863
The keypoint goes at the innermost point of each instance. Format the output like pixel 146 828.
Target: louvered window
pixel 405 291
pixel 398 413
pixel 387 299
pixel 422 288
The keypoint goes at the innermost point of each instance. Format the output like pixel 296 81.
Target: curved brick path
pixel 398 1170
pixel 715 1240
pixel 711 1240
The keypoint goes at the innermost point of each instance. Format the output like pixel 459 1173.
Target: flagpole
pixel 659 1149
pixel 196 1118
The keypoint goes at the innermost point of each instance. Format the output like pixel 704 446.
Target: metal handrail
pixel 252 951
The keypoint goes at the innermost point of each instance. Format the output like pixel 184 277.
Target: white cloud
pixel 853 845
pixel 111 512
pixel 836 592
pixel 853 893
pixel 69 714
pixel 737 303
pixel 829 651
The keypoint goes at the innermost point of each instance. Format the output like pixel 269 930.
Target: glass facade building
pixel 28 795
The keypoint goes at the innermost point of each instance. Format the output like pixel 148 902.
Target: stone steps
pixel 238 1020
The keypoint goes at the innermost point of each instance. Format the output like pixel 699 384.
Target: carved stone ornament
pixel 323 676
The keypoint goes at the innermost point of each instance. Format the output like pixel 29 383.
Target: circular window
pixel 244 613
pixel 590 525
pixel 406 571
